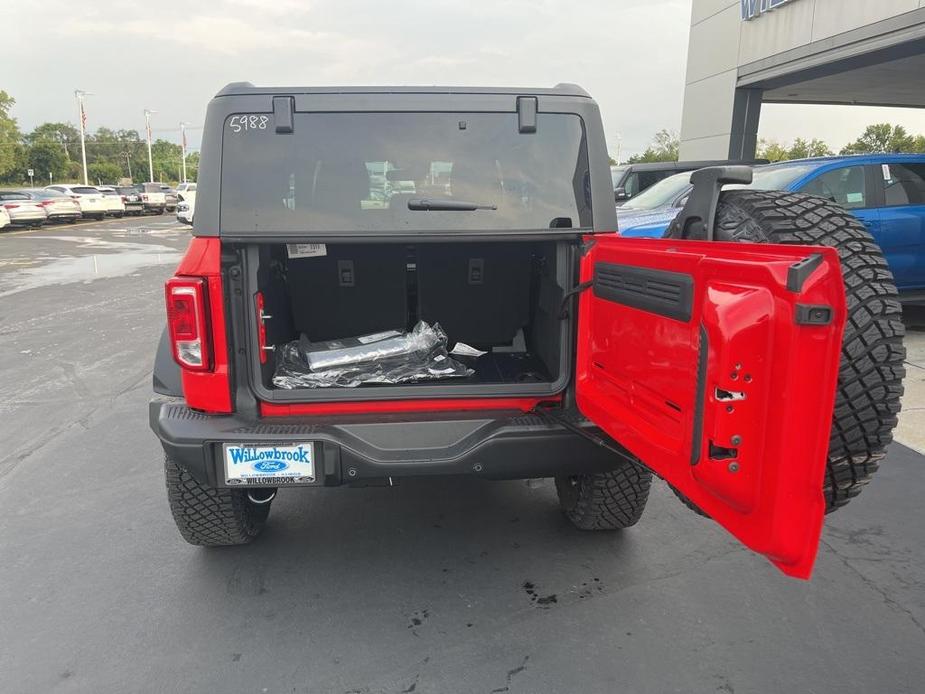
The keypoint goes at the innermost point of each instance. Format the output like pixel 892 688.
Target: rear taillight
pixel 75 197
pixel 187 320
pixel 11 205
pixel 46 203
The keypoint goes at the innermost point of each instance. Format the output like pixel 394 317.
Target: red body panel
pixel 268 409
pixel 637 378
pixel 209 391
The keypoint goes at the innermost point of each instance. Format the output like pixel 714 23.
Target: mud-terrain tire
pixel 605 501
pixel 208 516
pixel 871 371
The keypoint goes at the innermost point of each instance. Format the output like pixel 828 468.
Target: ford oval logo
pixel 270 466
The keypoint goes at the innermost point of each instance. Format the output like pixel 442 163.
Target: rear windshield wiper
pixel 422 204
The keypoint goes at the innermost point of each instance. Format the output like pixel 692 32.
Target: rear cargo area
pixel 500 297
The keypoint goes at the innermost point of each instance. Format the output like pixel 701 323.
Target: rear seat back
pixel 353 290
pixel 479 293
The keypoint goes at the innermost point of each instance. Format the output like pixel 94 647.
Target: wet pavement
pixel 434 586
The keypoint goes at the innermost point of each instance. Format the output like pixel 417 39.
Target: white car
pixel 92 203
pixel 115 205
pixel 185 189
pixel 186 206
pixel 4 217
pixel 22 209
pixel 153 197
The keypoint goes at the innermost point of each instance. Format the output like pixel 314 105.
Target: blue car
pixel 885 191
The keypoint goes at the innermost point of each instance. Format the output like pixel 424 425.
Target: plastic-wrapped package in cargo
pixel 385 357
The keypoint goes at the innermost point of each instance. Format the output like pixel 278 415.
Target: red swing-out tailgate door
pixel 716 365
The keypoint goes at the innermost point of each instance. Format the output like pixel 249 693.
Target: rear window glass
pixel 84 190
pixel 359 171
pixel 14 196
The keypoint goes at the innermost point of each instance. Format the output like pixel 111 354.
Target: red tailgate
pixel 698 358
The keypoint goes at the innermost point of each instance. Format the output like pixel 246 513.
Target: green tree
pixel 192 166
pixel 64 133
pixel 11 149
pixel 772 150
pixel 103 172
pixel 664 147
pixel 801 149
pixel 882 137
pixel 166 157
pixel 48 157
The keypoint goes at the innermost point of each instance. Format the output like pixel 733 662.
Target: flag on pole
pixel 184 140
pixel 83 115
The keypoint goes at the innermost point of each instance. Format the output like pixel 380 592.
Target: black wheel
pixel 209 516
pixel 119 215
pixel 160 210
pixel 72 220
pixel 871 371
pixel 607 500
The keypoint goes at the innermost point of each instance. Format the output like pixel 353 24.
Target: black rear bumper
pixel 495 445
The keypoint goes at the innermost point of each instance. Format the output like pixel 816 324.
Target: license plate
pixel 269 465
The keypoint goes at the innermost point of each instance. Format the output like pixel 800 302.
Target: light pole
pixel 183 147
pixel 148 113
pixel 80 94
pixel 619 146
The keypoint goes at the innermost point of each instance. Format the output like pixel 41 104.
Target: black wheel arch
pixel 166 375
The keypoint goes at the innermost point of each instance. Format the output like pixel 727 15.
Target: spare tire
pixel 871 372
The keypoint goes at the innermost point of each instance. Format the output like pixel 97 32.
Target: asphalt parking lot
pixel 433 586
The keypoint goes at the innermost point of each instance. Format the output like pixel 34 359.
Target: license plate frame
pixel 270 464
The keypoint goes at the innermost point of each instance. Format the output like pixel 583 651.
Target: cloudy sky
pixel 173 55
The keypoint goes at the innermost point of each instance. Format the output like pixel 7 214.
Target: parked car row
pixel 68 202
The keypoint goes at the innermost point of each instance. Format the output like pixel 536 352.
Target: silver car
pixel 22 209
pixel 59 207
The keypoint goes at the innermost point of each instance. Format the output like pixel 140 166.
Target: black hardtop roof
pixel 246 88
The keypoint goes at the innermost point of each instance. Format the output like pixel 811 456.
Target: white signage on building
pixel 756 8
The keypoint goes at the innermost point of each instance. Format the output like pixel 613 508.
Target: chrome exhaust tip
pixel 261 496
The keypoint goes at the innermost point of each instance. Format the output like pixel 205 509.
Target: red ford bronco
pixel 346 238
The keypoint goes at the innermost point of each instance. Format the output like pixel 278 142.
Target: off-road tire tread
pixel 208 516
pixel 871 370
pixel 605 501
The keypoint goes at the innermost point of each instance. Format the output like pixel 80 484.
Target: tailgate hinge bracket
pixel 697 220
pixel 799 272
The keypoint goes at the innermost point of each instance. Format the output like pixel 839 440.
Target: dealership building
pixel 744 53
